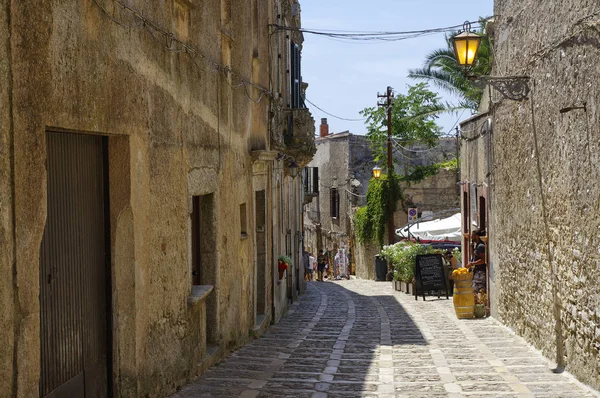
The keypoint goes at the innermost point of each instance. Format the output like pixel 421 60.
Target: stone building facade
pixel 530 174
pixel 345 166
pixel 145 190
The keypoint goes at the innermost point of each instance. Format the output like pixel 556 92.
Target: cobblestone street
pixel 361 339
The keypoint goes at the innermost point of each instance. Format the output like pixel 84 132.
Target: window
pixel 203 240
pixel 334 197
pixel 295 76
pixel 243 221
pixel 311 180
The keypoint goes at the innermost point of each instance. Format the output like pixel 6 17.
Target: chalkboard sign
pixel 429 274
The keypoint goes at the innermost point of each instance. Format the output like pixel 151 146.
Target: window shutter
pixel 295 75
pixel 305 179
pixel 334 198
pixel 315 180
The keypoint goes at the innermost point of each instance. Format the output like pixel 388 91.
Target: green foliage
pixel 456 253
pixel 362 225
pixel 441 68
pixel 413 121
pixel 403 257
pixel 420 173
pixel 382 198
pixel 285 259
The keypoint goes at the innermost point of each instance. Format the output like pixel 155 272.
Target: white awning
pixel 442 229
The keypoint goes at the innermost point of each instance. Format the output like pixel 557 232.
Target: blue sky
pixel 344 78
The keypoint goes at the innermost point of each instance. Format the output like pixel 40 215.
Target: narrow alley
pixel 360 338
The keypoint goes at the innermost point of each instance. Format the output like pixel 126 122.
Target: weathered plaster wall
pixel 365 260
pixel 545 197
pixel 74 69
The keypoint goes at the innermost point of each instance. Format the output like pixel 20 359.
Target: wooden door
pixel 74 270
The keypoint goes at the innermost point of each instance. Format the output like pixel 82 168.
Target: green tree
pixel 440 68
pixel 413 120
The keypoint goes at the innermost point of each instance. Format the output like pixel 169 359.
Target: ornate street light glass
pixel 293 169
pixel 466 44
pixel 376 172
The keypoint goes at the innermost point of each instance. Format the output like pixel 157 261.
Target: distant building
pixel 338 178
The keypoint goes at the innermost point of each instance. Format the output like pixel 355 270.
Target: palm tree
pixel 442 69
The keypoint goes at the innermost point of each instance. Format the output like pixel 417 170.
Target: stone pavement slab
pixel 363 339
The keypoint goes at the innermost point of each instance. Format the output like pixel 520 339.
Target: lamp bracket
pixel 514 88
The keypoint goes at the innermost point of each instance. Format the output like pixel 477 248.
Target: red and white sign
pixel 412 214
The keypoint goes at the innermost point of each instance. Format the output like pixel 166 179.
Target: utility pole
pixel 389 95
pixel 458 160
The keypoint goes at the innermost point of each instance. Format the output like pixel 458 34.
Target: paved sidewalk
pixel 361 339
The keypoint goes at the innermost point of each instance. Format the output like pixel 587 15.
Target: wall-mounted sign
pixel 412 214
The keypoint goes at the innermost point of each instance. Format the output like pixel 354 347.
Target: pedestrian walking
pixel 312 263
pixel 321 264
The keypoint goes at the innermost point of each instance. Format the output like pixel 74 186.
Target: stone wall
pixel 436 193
pixel 178 124
pixel 365 260
pixel 7 248
pixel 545 183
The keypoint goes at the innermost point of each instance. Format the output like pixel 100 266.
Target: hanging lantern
pixel 376 172
pixel 466 44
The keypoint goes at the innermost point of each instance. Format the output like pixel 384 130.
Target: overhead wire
pixel 374 35
pixel 332 115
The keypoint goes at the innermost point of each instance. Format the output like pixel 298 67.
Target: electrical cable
pixel 375 35
pixel 332 115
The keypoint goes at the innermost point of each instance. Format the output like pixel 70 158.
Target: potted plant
pixel 480 303
pixel 396 281
pixel 402 256
pixel 283 262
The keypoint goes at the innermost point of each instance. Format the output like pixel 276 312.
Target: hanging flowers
pixel 283 262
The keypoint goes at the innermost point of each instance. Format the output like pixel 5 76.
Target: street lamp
pixel 293 168
pixel 466 44
pixel 376 172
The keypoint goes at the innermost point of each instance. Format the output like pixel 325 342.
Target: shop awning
pixel 442 229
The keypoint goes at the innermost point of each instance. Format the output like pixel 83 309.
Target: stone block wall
pixel 545 184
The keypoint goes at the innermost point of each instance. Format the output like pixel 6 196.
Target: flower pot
pixel 402 286
pixel 397 286
pixel 479 311
pixel 409 288
pixel 281 272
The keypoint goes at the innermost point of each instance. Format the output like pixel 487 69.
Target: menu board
pixel 429 274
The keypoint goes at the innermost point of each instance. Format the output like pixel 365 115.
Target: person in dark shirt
pixel 478 264
pixel 321 262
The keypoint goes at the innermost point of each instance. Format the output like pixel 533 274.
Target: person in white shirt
pixel 311 266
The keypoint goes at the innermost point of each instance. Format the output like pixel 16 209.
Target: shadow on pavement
pixel 334 341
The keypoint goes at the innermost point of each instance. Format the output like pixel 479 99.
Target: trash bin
pixel 380 268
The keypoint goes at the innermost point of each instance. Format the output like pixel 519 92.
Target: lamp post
pixel 466 44
pixel 376 172
pixel 293 169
